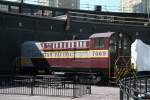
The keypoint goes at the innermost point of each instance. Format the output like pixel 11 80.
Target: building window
pixel 72 4
pixel 99 43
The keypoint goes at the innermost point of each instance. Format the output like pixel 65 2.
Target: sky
pixel 107 5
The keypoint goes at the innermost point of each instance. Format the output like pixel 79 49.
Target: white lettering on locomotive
pixel 72 54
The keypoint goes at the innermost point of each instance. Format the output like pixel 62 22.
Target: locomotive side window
pixel 127 45
pixel 99 42
pixel 113 44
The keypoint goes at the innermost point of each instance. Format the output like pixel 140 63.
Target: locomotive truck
pixel 94 56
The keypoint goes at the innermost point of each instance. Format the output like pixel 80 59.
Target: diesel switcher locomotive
pixel 96 55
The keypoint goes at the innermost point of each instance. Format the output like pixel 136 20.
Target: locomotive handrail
pixel 123 57
pixel 125 69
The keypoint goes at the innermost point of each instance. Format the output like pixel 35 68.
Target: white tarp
pixel 140 54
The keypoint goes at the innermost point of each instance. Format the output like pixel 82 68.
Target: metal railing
pixel 24 8
pixel 108 19
pixel 45 85
pixel 135 88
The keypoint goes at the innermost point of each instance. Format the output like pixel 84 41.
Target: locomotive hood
pixel 28 46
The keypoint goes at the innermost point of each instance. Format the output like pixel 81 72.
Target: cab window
pixel 99 43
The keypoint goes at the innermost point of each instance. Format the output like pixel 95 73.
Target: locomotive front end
pixel 120 55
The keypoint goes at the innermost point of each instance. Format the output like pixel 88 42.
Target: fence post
pixel 32 84
pixel 135 92
pixel 145 85
pixel 89 82
pixel 121 93
pixel 122 88
pixel 75 83
pixel 129 88
pixel 74 95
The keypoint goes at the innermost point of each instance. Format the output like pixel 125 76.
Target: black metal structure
pixel 135 88
pixel 45 85
pixel 21 22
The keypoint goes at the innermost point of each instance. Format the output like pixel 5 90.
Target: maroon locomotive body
pixel 95 55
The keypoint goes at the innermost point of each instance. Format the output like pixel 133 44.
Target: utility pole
pixel 148 10
pixel 21 6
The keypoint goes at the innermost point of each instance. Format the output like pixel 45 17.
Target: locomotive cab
pixel 119 47
pixel 117 44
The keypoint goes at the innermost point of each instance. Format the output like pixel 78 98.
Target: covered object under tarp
pixel 140 53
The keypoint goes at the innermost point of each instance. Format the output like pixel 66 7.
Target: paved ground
pixel 98 93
